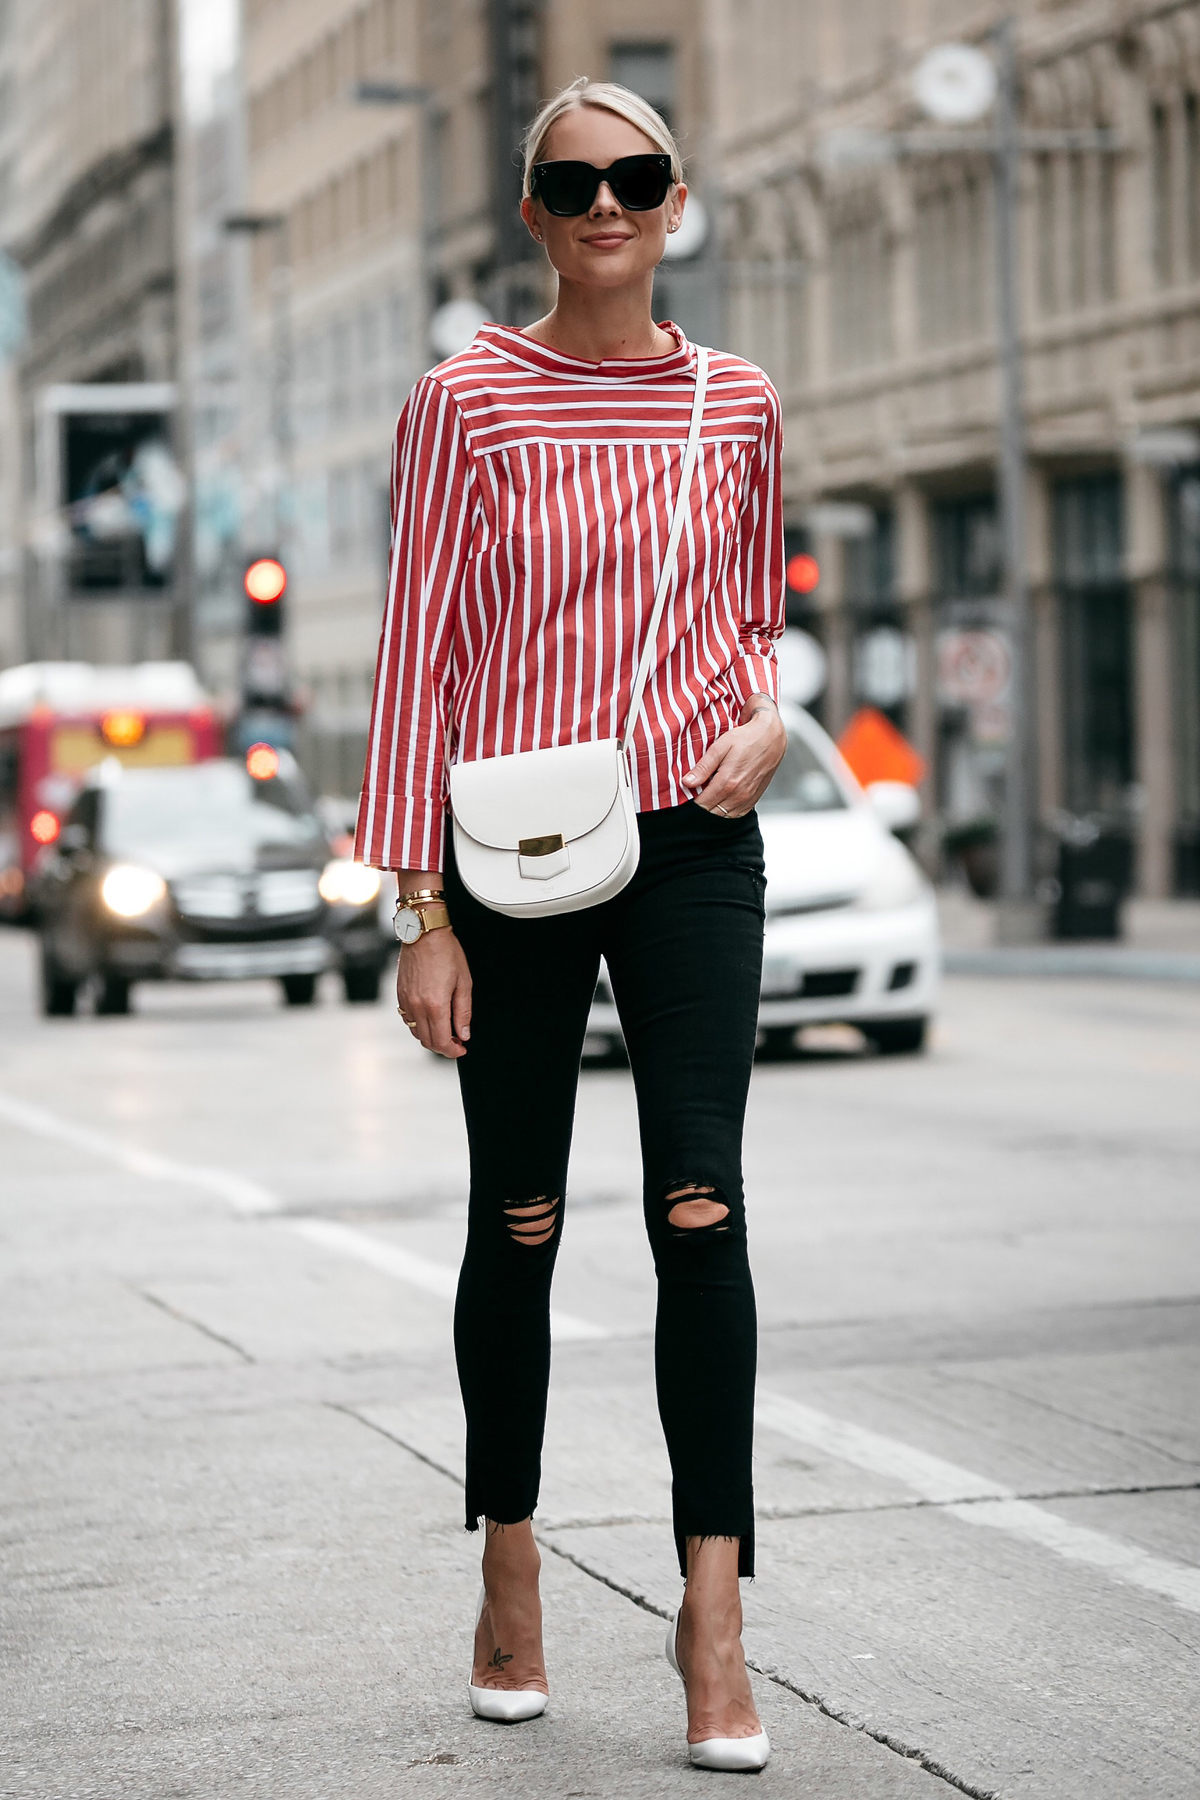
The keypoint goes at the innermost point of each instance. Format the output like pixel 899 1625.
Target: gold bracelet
pixel 421 894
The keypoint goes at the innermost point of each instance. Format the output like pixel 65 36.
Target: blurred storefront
pixel 865 288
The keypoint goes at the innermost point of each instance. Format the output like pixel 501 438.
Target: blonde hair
pixel 606 96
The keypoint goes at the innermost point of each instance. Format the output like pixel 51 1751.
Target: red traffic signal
pixel 803 573
pixel 262 762
pixel 265 580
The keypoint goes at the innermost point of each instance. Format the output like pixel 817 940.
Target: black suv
pixel 218 871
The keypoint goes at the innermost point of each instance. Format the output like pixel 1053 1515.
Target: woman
pixel 532 484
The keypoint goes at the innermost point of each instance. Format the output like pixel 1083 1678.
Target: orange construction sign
pixel 876 751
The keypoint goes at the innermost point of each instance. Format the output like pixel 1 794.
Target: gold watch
pixel 418 913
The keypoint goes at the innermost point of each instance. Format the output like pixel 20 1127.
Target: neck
pixel 598 325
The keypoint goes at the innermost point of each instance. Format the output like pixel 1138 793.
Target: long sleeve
pixel 400 817
pixel 762 572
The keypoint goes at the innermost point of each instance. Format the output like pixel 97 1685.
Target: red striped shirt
pixel 531 497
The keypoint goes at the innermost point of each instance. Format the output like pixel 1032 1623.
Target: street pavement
pixel 233 1558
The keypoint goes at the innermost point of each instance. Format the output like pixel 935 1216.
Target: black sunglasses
pixel 566 189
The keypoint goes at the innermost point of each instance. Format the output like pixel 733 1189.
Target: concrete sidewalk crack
pixel 183 1318
pixel 910 1753
pixel 402 1443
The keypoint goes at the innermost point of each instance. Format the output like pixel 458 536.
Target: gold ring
pixel 411 1023
pixel 722 811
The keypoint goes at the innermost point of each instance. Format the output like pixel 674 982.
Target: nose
pixel 605 201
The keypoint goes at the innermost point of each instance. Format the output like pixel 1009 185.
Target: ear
pixel 529 212
pixel 675 204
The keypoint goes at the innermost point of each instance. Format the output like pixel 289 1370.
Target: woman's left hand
pixel 734 774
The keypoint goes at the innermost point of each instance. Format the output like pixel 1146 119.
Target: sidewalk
pixel 1161 943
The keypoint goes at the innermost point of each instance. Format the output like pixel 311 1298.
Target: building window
pixel 1075 230
pixel 966 541
pixel 649 69
pixel 953 263
pixel 768 317
pixel 1185 559
pixel 1174 174
pixel 1161 185
pixel 1096 638
pixel 860 274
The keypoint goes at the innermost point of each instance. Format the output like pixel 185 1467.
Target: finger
pixel 709 763
pixel 461 1009
pixel 441 1033
pixel 726 791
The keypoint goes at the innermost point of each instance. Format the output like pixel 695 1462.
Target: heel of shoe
pixel 672 1656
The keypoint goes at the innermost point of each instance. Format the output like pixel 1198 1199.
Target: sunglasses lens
pixel 566 188
pixel 641 182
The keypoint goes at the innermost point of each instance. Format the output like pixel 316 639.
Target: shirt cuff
pixel 755 672
pixel 400 831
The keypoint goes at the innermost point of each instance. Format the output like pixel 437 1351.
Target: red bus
pixel 58 720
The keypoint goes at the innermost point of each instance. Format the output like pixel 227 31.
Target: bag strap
pixel 678 515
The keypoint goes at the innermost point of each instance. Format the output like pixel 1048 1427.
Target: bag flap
pixel 563 791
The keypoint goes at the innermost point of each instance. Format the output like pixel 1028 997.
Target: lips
pixel 608 240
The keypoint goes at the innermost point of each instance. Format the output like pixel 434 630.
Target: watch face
pixel 408 925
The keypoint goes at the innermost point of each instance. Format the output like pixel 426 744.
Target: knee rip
pixel 696 1209
pixel 532 1222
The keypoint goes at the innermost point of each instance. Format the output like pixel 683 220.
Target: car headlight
pixel 349 884
pixel 129 891
pixel 896 882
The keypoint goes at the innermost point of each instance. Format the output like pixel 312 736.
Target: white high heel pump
pixel 507 1705
pixel 733 1755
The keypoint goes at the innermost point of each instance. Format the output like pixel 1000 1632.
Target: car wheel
pixel 113 996
pixel 896 1037
pixel 362 985
pixel 59 992
pixel 778 1043
pixel 299 990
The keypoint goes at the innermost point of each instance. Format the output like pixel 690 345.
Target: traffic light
pixel 264 665
pixel 802 575
pixel 265 584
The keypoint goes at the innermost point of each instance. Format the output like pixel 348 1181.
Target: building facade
pixel 89 217
pixel 864 283
pixel 391 205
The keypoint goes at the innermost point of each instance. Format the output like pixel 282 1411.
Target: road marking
pixel 419 1271
pixel 247 1196
pixel 238 1191
pixel 977 1500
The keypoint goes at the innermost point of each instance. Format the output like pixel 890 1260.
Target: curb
pixel 1090 960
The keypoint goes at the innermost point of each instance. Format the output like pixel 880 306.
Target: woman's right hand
pixel 433 988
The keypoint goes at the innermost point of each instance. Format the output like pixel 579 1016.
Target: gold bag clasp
pixel 541 846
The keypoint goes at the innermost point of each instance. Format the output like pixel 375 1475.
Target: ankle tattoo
pixel 497 1660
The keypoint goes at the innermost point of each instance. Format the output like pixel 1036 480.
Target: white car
pixel 852 931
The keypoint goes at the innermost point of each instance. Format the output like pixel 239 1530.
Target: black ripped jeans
pixel 683 943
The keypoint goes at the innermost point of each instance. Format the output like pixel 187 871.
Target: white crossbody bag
pixel 554 831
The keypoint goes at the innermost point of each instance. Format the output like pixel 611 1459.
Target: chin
pixel 612 269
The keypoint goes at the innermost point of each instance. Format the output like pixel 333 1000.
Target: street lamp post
pixel 1018 917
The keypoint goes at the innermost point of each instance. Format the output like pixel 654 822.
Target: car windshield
pixel 214 810
pixel 801 783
